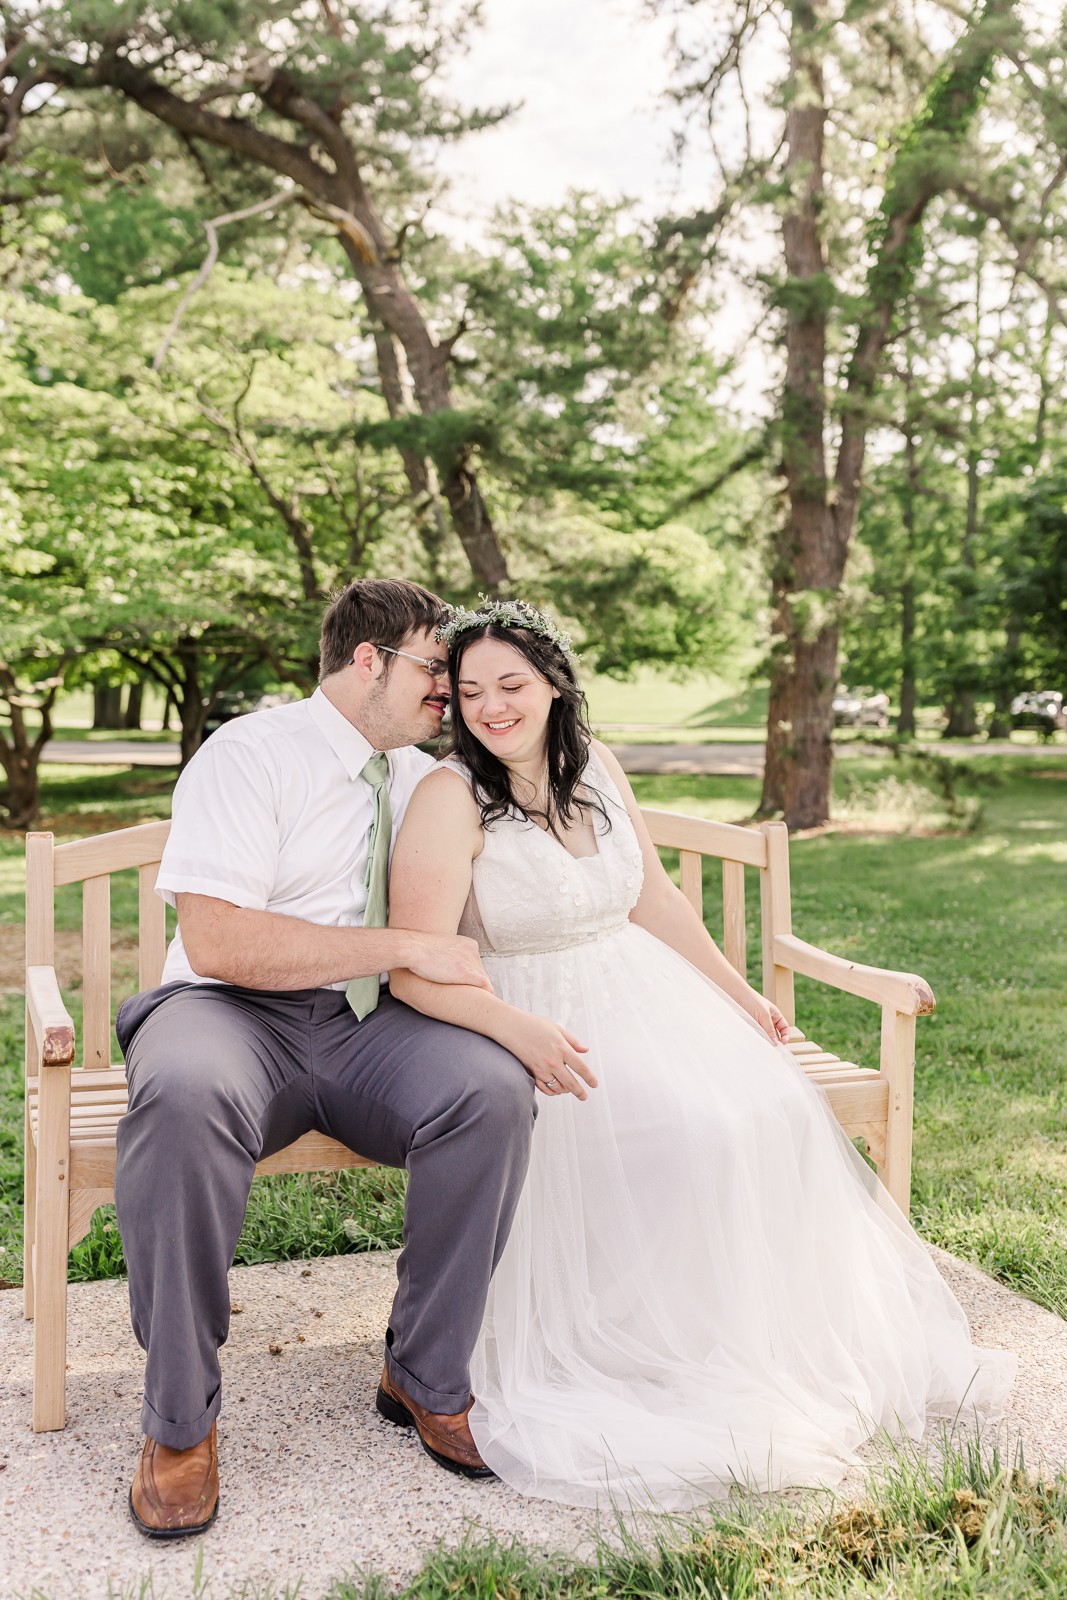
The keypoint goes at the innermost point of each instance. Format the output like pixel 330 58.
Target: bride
pixel 704 1284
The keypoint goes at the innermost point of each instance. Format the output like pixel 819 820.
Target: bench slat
pixel 676 831
pixel 96 972
pixel 105 1078
pixel 109 852
pixel 152 928
pixel 733 916
pixel 314 1152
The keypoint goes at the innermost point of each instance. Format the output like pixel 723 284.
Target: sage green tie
pixel 363 992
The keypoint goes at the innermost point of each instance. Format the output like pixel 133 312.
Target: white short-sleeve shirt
pixel 272 814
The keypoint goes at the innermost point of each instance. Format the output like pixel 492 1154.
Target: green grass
pixel 981 915
pixel 653 697
pixel 965 1525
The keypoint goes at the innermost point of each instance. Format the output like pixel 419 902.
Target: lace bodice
pixel 530 895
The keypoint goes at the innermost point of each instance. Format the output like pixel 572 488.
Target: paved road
pixel 682 760
pixel 746 760
pixel 689 760
pixel 112 753
pixel 717 760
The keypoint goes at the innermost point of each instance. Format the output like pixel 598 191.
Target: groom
pixel 272 1020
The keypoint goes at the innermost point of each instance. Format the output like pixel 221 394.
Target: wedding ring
pixel 550 1083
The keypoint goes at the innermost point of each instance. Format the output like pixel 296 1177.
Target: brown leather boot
pixel 175 1493
pixel 447 1439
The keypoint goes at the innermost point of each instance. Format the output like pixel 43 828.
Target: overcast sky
pixel 590 75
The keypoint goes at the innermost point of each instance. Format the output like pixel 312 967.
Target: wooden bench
pixel 71 1116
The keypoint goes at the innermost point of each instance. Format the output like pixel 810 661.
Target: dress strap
pixel 452 764
pixel 597 776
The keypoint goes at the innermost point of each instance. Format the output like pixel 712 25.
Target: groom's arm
pixel 264 950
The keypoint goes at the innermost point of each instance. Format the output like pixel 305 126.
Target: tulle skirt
pixel 705 1284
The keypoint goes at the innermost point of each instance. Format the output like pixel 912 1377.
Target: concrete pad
pixel 314 1483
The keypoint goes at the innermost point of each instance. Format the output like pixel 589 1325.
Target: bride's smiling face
pixel 504 700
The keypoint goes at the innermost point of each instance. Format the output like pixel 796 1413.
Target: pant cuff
pixel 446 1405
pixel 180 1435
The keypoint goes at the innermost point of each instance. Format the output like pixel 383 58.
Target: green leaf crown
pixel 506 614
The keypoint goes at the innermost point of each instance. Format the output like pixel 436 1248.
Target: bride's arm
pixel 664 910
pixel 429 882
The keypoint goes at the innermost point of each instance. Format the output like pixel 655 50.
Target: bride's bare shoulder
pixel 446 786
pixel 443 801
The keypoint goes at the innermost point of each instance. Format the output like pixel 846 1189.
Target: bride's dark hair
pixel 567 735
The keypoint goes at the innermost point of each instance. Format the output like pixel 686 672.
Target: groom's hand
pixel 445 958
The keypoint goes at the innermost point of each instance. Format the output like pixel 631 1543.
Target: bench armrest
pixel 904 991
pixel 49 1018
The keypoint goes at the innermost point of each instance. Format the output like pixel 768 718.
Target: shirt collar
pixel 345 740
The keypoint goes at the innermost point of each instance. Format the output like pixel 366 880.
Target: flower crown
pixel 505 614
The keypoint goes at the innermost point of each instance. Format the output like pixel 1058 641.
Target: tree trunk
pixel 798 774
pixel 419 470
pixel 906 719
pixel 107 705
pixel 779 728
pixel 962 716
pixel 919 172
pixel 471 521
pixel 193 705
pixel 340 197
pixel 193 713
pixel 960 709
pixel 20 756
pixel 392 303
pixel 168 707
pixel 132 719
pixel 1000 726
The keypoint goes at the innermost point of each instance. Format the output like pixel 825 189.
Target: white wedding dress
pixel 705 1284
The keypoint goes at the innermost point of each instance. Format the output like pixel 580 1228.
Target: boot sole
pixel 171 1533
pixel 394 1412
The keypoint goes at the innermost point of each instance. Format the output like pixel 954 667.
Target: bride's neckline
pixel 592 855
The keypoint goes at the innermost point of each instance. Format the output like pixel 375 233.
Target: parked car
pixel 1041 709
pixel 860 708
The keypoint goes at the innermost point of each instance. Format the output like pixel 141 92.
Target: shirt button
pixel 344 922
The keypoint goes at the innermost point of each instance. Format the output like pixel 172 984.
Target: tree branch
pixel 748 458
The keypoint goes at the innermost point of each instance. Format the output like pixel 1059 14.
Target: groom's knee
pixel 498 1097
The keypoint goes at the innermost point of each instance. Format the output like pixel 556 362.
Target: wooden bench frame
pixel 71 1116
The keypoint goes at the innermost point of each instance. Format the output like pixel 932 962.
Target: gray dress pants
pixel 220 1077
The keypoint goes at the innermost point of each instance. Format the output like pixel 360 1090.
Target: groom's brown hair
pixel 375 611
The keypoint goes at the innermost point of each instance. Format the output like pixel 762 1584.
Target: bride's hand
pixel 769 1018
pixel 551 1056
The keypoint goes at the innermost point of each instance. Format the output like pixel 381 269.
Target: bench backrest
pixel 737 848
pixel 92 861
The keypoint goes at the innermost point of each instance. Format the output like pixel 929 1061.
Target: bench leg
pixel 29 1215
pixel 898 1065
pixel 50 1254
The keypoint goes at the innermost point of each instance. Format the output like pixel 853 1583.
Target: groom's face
pixel 406 702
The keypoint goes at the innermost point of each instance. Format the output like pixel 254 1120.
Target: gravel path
pixel 314 1484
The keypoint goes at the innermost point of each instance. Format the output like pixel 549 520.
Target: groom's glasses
pixel 435 667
